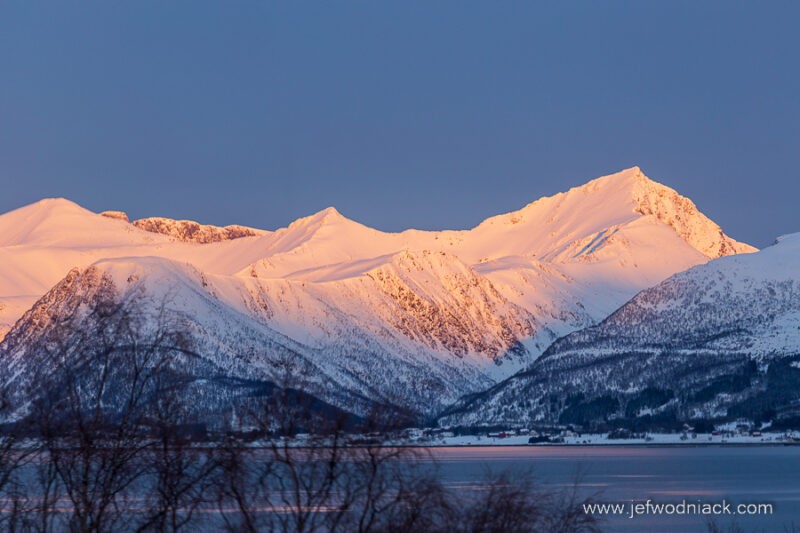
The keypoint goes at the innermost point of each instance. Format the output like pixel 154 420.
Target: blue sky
pixel 406 114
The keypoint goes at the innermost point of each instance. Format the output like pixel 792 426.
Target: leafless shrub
pixel 515 502
pixel 180 473
pixel 14 455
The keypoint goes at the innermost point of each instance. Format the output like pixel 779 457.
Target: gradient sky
pixel 408 114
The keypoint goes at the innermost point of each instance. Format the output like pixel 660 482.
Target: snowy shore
pixel 603 440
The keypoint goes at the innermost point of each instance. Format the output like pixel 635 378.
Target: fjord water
pixel 663 474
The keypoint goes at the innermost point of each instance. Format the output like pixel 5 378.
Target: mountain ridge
pixel 478 305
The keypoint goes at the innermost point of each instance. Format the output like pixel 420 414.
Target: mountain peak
pixel 632 173
pixel 330 211
pixel 570 226
pixel 45 220
pixel 649 198
pixel 52 204
pixel 329 215
pixel 629 177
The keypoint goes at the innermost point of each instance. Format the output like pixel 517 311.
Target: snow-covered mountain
pixel 226 354
pixel 415 318
pixel 720 340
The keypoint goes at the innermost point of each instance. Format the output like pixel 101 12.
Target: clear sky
pixel 401 114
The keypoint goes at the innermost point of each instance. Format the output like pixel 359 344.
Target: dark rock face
pixel 190 231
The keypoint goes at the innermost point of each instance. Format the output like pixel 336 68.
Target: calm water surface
pixel 666 474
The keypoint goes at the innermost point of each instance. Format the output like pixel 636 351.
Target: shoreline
pixel 600 440
pixel 609 444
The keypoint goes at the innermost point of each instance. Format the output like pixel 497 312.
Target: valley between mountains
pixel 615 301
